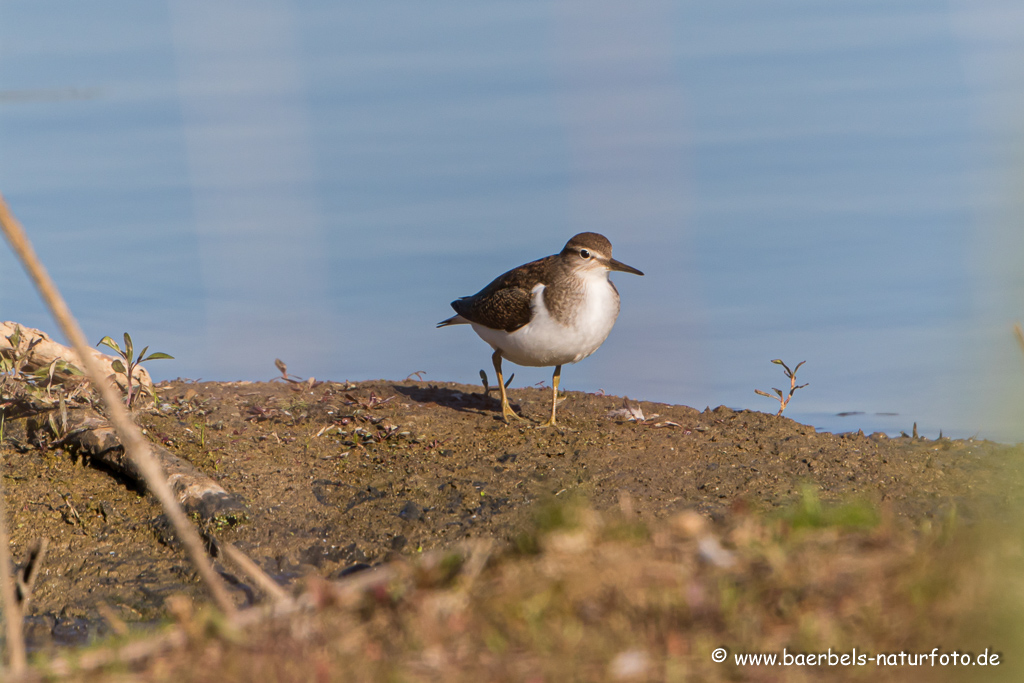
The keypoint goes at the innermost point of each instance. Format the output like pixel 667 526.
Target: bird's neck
pixel 571 295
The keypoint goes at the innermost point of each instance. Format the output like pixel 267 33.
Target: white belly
pixel 545 342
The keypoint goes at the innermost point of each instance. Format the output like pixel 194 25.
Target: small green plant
pixel 782 398
pixel 16 383
pixel 128 362
pixel 810 513
pixel 19 354
pixel 200 429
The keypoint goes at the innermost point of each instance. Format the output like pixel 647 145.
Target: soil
pixel 338 477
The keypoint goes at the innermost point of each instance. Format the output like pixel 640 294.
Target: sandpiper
pixel 553 311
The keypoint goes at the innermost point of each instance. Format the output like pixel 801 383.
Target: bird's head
pixel 589 251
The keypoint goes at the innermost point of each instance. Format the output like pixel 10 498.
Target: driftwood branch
pixel 94 437
pixel 41 351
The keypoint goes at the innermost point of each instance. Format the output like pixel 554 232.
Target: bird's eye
pixel 584 253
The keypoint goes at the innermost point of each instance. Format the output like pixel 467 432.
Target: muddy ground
pixel 341 476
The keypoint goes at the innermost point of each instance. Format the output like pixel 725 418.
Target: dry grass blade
pixel 253 571
pixel 134 443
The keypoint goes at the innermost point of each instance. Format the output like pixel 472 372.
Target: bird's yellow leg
pixel 506 409
pixel 554 396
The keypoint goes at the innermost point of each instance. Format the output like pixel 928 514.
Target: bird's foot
pixel 550 423
pixel 510 415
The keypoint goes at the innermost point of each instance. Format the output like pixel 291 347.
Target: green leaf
pixel 157 355
pixel 64 366
pixel 128 347
pixel 119 367
pixel 107 341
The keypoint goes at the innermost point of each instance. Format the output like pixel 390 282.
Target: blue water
pixel 830 182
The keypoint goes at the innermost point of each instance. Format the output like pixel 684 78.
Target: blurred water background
pixel 837 182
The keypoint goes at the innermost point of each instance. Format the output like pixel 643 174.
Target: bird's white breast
pixel 545 341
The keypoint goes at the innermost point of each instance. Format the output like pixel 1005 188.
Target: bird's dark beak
pixel 616 265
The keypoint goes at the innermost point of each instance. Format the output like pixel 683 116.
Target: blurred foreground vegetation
pixel 588 596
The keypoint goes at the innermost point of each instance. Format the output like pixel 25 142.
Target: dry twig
pixel 26 577
pixel 782 398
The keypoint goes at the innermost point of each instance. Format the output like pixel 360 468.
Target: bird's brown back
pixel 505 303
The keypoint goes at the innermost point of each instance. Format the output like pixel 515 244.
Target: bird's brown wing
pixel 505 303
